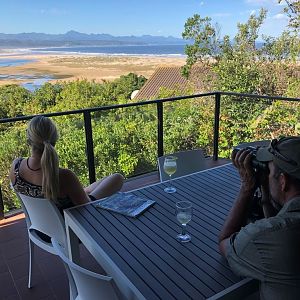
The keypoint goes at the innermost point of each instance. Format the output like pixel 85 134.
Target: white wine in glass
pixel 170 167
pixel 184 212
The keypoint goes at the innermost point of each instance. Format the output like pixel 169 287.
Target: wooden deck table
pixel 143 253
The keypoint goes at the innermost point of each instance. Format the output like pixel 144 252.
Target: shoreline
pixel 69 67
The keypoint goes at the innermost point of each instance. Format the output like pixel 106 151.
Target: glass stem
pixel 183 229
pixel 170 181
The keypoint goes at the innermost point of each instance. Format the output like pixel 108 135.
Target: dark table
pixel 143 255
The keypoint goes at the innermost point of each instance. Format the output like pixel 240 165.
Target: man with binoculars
pixel 268 249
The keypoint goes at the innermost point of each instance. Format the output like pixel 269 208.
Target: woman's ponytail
pixel 50 170
pixel 42 136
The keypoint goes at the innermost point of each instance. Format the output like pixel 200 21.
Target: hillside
pixel 74 38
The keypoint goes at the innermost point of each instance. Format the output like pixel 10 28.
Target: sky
pixel 133 17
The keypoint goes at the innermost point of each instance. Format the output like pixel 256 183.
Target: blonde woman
pixel 40 176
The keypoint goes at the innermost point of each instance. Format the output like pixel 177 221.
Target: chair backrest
pixel 89 285
pixel 45 217
pixel 27 219
pixel 189 161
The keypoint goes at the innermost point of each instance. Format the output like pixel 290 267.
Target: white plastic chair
pixel 42 215
pixel 90 285
pixel 188 162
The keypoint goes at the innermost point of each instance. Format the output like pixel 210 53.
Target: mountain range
pixel 74 38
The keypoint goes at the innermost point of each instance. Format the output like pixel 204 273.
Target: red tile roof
pixel 165 77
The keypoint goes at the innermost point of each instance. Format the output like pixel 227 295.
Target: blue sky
pixel 132 17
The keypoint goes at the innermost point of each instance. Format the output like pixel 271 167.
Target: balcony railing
pixel 160 123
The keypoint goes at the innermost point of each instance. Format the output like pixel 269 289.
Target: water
pixel 34 81
pixel 35 84
pixel 141 50
pixel 184 217
pixel 14 62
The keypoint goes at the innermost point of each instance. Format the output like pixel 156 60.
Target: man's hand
pixel 242 161
pixel 236 218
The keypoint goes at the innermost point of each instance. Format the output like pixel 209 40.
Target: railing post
pixel 89 145
pixel 160 130
pixel 216 125
pixel 1 205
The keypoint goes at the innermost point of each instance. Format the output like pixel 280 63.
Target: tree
pixel 46 97
pixel 234 62
pixel 292 10
pixel 241 64
pixel 206 41
pixel 13 99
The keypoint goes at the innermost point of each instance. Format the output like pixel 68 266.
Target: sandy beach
pixel 71 67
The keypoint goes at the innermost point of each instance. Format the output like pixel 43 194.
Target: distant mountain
pixel 74 38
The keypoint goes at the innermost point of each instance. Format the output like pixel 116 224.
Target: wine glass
pixel 184 213
pixel 170 167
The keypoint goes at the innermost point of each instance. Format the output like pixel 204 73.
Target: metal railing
pixel 160 124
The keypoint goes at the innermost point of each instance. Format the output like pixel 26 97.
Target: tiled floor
pixel 47 271
pixel 49 278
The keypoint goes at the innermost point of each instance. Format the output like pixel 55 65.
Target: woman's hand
pixel 242 161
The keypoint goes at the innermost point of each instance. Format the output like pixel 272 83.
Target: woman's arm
pixel 71 187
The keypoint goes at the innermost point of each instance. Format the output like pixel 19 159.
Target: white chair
pixel 90 285
pixel 188 162
pixel 43 216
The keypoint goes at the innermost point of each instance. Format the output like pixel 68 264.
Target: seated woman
pixel 40 176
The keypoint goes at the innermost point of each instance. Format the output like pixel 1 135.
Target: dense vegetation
pixel 245 65
pixel 126 140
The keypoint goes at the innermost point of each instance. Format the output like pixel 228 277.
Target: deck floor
pixel 49 278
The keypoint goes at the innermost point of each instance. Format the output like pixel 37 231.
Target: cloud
pixel 53 12
pixel 279 16
pixel 274 25
pixel 201 3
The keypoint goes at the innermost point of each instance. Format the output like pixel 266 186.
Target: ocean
pixel 141 50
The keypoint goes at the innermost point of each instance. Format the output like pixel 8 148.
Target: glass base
pixel 183 238
pixel 170 189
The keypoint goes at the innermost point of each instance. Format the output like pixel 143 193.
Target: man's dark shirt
pixel 269 250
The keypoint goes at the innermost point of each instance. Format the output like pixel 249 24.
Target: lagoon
pixel 32 82
pixel 4 62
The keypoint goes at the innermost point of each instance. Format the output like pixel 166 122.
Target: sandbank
pixel 71 67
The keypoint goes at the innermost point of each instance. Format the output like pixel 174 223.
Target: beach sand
pixel 71 67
